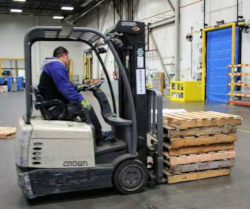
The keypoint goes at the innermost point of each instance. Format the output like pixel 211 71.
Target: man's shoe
pixel 108 136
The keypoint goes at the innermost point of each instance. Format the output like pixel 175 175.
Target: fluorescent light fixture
pixel 20 0
pixel 58 17
pixel 16 10
pixel 67 8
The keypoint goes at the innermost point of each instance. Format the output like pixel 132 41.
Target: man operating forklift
pixel 55 84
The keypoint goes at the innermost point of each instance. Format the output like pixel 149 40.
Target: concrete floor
pixel 218 193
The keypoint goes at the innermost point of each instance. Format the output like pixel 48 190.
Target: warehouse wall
pixel 100 21
pixel 45 49
pixel 191 16
pixel 12 32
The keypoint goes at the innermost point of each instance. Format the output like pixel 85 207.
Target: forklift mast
pixel 132 55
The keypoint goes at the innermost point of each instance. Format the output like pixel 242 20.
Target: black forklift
pixel 59 156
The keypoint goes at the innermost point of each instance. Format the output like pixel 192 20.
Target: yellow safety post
pixel 89 68
pixel 203 73
pixel 71 70
pixel 233 53
pixel 204 31
pixel 84 68
pixel 16 68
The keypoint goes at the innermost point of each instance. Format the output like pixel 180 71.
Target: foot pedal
pixel 151 180
pixel 151 151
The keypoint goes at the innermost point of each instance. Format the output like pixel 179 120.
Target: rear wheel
pixel 130 177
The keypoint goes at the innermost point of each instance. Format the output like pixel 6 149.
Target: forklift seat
pixel 46 107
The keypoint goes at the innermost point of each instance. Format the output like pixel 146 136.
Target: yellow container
pixel 186 91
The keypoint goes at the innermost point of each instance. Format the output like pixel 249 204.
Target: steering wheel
pixel 94 86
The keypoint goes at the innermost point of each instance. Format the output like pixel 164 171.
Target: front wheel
pixel 130 177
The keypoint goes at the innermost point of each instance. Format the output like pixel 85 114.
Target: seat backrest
pixel 39 98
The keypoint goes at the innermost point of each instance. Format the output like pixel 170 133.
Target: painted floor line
pixel 244 131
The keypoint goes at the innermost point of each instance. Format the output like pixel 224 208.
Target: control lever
pixel 115 34
pixel 85 116
pixel 77 109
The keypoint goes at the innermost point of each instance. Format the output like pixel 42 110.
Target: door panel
pixel 219 53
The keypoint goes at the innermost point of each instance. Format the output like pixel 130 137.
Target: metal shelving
pixel 235 96
pixel 13 65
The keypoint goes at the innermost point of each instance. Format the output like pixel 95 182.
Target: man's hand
pixel 81 87
pixel 86 104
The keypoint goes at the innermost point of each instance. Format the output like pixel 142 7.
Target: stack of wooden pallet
pixel 7 132
pixel 198 145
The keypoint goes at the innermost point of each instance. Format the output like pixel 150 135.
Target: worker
pixel 55 84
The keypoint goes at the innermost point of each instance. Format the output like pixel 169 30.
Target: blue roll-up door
pixel 219 54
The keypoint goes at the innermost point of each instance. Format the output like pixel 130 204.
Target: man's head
pixel 62 54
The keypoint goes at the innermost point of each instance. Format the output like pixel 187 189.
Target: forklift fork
pixel 155 131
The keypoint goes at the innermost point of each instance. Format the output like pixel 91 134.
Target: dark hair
pixel 59 51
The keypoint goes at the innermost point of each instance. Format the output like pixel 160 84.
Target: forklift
pixel 61 156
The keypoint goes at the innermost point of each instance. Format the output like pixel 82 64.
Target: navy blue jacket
pixel 59 74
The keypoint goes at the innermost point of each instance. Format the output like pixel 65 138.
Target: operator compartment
pixel 56 144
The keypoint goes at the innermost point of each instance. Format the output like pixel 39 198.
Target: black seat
pixel 57 110
pixel 46 107
pixel 109 117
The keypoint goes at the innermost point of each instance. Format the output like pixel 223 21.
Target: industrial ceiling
pixel 48 7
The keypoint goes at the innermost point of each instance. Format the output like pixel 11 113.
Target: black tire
pixel 130 177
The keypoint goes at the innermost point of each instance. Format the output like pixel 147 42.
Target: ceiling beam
pixel 167 21
pixel 86 12
pixel 171 5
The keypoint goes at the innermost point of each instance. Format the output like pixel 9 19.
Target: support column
pixel 177 40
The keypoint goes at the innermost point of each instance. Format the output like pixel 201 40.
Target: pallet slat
pixel 200 119
pixel 172 131
pixel 193 158
pixel 209 119
pixel 202 140
pixel 234 119
pixel 199 166
pixel 171 179
pixel 198 149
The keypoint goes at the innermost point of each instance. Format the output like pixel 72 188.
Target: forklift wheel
pixel 131 177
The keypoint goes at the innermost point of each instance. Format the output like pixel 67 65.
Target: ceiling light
pixel 20 0
pixel 16 10
pixel 67 8
pixel 58 17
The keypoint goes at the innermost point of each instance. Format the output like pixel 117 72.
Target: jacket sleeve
pixel 63 84
pixel 75 86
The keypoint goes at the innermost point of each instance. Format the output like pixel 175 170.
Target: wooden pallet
pixel 201 140
pixel 197 149
pixel 170 131
pixel 171 179
pixel 7 132
pixel 228 163
pixel 174 161
pixel 192 141
pixel 200 119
